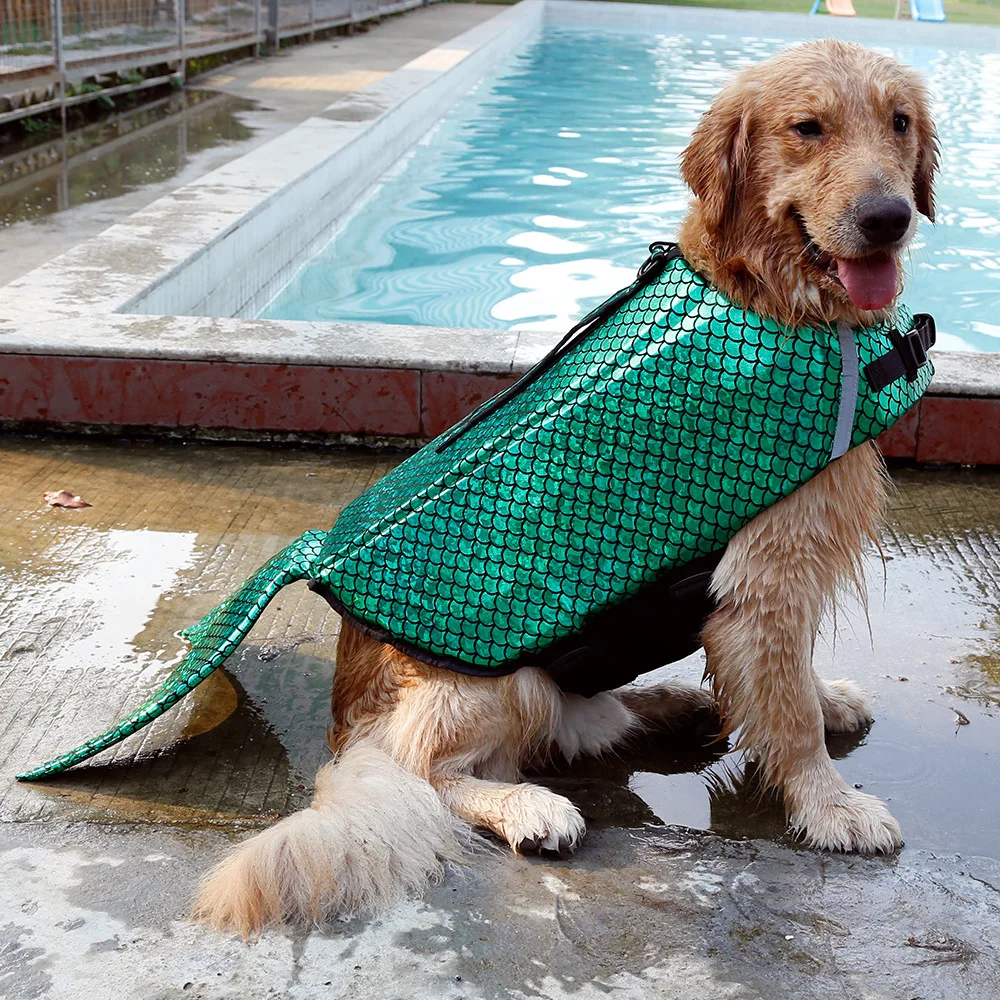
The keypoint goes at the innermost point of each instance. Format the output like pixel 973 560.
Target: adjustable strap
pixel 848 391
pixel 660 254
pixel 908 354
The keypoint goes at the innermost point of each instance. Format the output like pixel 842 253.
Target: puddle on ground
pixel 42 175
pixel 92 600
pixel 930 662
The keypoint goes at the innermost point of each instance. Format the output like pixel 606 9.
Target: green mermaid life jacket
pixel 598 487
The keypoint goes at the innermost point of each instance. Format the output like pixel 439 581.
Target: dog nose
pixel 883 219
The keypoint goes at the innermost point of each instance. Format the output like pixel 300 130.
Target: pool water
pixel 536 197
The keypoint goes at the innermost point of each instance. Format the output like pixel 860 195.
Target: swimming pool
pixel 536 196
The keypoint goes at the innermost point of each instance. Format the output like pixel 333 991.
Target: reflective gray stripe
pixel 848 391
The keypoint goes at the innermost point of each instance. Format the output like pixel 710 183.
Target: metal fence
pixel 49 47
pixel 288 18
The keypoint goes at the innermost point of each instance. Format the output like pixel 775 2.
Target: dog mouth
pixel 871 281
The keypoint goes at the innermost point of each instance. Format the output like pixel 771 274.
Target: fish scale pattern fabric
pixel 652 442
pixel 672 423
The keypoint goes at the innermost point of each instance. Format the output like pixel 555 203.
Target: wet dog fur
pixel 779 167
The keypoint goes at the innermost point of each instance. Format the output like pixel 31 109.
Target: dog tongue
pixel 870 281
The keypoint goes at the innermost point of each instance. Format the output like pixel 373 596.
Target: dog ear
pixel 715 161
pixel 927 165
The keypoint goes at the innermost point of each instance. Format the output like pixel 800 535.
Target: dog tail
pixel 374 834
pixel 212 640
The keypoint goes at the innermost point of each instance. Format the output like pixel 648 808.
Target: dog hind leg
pixel 845 708
pixel 673 706
pixel 527 816
pixel 590 726
pixel 470 737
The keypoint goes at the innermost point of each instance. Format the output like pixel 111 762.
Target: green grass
pixel 960 11
pixel 42 49
pixel 963 11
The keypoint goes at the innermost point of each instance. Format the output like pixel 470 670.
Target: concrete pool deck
pixel 144 327
pixel 687 885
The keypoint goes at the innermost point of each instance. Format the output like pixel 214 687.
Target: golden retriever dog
pixel 808 173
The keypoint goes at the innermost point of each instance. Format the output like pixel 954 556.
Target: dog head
pixel 809 172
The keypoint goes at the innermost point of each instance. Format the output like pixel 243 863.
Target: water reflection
pixel 113 157
pixel 588 127
pixel 929 650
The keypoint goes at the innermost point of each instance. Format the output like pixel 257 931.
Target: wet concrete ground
pixel 57 192
pixel 99 866
pixel 118 156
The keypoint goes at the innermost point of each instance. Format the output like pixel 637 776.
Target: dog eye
pixel 809 128
pixel 900 123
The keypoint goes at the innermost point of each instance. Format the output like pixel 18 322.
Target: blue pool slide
pixel 920 10
pixel 927 10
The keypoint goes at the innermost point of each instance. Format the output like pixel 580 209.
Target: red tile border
pixel 394 403
pixel 123 392
pixel 900 441
pixel 449 396
pixel 960 430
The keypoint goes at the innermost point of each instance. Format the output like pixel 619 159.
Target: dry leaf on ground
pixel 63 498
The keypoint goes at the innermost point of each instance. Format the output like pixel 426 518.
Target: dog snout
pixel 883 219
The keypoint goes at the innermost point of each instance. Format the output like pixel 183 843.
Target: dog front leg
pixel 773 583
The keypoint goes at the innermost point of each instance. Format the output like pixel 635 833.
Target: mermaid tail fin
pixel 212 640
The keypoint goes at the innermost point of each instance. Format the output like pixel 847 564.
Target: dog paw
pixel 845 708
pixel 832 817
pixel 592 725
pixel 536 819
pixel 674 705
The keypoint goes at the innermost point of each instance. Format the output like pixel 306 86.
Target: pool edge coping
pixel 366 398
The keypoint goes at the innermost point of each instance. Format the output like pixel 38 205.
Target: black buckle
pixel 908 354
pixel 660 254
pixel 911 351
